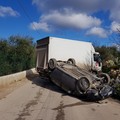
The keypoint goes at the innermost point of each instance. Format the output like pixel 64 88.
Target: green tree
pixel 22 53
pixel 17 53
pixel 5 67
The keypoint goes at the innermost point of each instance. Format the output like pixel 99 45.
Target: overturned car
pixel 77 81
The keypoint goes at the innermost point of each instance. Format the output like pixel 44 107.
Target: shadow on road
pixel 43 82
pixel 46 83
pixel 71 105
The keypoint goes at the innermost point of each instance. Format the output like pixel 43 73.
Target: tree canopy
pixel 17 53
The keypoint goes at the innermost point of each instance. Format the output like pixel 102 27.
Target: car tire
pixel 52 64
pixel 71 61
pixel 106 78
pixel 82 85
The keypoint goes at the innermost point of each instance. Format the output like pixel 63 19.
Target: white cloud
pixel 40 26
pixel 115 26
pixel 7 11
pixel 97 31
pixel 115 15
pixel 86 6
pixel 78 14
pixel 68 20
pixel 115 11
pixel 77 5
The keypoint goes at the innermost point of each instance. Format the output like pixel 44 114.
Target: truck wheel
pixel 52 64
pixel 82 84
pixel 71 61
pixel 106 78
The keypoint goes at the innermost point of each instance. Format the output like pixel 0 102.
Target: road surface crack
pixel 60 112
pixel 26 111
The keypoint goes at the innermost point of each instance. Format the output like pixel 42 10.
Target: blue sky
pixel 87 20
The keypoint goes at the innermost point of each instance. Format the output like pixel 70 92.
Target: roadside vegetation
pixel 17 53
pixel 111 65
pixel 110 58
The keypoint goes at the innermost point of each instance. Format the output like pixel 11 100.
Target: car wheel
pixel 82 84
pixel 106 78
pixel 71 61
pixel 52 64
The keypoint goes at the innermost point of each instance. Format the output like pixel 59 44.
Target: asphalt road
pixel 41 100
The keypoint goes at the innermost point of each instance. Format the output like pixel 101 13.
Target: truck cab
pixel 97 62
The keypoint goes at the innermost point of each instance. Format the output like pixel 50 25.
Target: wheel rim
pixel 106 78
pixel 71 61
pixel 52 64
pixel 83 84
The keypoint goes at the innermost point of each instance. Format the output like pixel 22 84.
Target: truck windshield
pixel 97 58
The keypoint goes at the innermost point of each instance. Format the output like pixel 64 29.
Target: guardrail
pixel 8 79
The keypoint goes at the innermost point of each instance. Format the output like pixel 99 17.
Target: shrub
pixel 17 53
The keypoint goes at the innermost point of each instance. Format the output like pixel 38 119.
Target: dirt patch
pixel 4 91
pixel 114 100
pixel 93 109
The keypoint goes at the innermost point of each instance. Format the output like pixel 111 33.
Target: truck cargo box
pixel 63 49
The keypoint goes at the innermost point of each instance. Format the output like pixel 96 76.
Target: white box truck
pixel 63 49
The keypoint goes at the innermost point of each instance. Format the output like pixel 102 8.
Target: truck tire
pixel 106 78
pixel 71 61
pixel 52 64
pixel 82 85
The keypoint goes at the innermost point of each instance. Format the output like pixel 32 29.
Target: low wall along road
pixel 8 79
